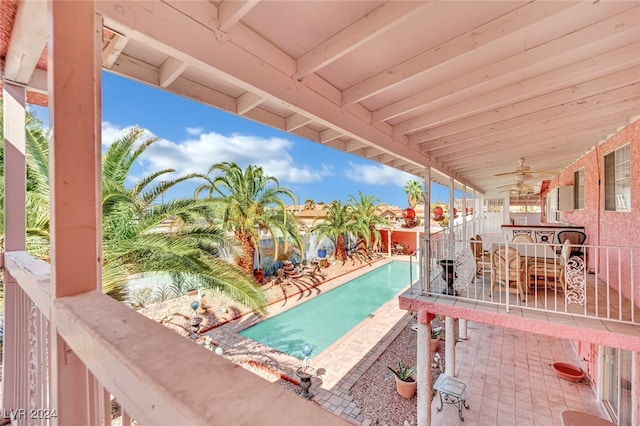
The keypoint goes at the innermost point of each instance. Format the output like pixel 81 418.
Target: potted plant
pixel 406 385
pixel 435 338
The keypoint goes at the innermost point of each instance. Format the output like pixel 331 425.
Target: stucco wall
pixel 608 228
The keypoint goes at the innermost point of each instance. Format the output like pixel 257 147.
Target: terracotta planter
pixel 406 389
pixel 568 372
pixel 434 344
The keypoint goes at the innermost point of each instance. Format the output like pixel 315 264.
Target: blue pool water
pixel 327 317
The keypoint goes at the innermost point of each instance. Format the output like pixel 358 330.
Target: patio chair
pixel 551 273
pixel 510 269
pixel 523 238
pixel 576 239
pixel 482 257
pixel 397 249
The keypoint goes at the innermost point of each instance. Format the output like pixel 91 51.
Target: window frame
pixel 617 180
pixel 578 189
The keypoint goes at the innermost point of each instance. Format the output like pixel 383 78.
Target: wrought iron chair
pixel 576 239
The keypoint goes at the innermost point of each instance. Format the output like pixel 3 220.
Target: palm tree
pixel 339 222
pixel 413 189
pixel 251 202
pixel 133 242
pixel 132 217
pixel 309 204
pixel 364 211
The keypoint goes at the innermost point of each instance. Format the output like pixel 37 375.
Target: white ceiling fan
pixel 523 172
pixel 519 188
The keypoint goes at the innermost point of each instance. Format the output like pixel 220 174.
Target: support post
pixel 74 67
pixel 15 187
pixel 424 370
pixel 462 323
pixel 450 347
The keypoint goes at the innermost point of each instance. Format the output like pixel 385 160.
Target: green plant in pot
pixel 405 383
pixel 436 332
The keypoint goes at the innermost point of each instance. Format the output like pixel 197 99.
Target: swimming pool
pixel 325 318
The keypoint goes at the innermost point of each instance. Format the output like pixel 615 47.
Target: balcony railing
pixel 157 376
pixel 590 281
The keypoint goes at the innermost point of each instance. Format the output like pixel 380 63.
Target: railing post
pixel 506 284
pixel 74 83
pixel 15 188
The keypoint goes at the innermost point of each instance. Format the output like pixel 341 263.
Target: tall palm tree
pixel 339 222
pixel 309 204
pixel 413 189
pixel 132 217
pixel 364 211
pixel 251 202
pixel 133 240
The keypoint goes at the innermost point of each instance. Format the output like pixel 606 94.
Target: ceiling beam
pixel 135 69
pixel 230 12
pixel 371 25
pixel 295 121
pixel 329 135
pixel 560 136
pixel 28 39
pixel 515 21
pixel 353 145
pixel 248 71
pixel 170 70
pixel 528 113
pixel 113 49
pixel 603 36
pixel 492 123
pixel 247 101
pixel 471 102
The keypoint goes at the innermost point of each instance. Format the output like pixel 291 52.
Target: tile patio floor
pixel 509 374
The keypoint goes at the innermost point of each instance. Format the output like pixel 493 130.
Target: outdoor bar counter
pixel 547 233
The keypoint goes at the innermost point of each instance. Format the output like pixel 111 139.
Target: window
pixel 578 189
pixel 617 180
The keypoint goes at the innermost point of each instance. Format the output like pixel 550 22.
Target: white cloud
pixel 377 174
pixel 111 132
pixel 196 155
pixel 194 131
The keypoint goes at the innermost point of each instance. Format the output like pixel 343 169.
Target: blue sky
pixel 193 136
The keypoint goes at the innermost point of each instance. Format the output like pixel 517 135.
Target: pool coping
pixel 339 366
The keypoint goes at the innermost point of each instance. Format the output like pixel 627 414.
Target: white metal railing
pixel 592 281
pixel 157 376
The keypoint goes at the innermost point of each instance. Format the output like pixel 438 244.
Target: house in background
pixel 452 92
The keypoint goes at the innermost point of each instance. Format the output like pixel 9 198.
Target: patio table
pixel 580 418
pixel 452 392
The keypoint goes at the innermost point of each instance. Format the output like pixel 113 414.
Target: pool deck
pixel 509 373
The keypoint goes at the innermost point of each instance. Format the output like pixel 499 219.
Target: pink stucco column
pixel 423 370
pixel 15 187
pixel 74 64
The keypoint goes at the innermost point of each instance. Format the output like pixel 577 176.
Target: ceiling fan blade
pixel 543 172
pixel 523 170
